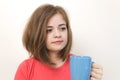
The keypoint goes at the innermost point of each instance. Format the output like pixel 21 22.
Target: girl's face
pixel 56 33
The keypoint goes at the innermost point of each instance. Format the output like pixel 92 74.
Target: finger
pixel 97 71
pixel 92 78
pixel 96 76
pixel 97 66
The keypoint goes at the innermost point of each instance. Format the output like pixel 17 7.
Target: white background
pixel 95 25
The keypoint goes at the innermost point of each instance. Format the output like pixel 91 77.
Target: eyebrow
pixel 58 25
pixel 61 24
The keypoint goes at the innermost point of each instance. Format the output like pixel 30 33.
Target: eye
pixel 49 30
pixel 63 28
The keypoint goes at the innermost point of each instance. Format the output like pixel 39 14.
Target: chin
pixel 57 49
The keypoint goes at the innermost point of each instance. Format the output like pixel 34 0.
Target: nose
pixel 57 33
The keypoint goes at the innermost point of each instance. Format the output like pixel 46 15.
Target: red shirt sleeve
pixel 22 71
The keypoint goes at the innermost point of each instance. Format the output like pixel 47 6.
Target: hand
pixel 97 71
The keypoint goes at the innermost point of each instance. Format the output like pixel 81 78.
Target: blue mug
pixel 80 67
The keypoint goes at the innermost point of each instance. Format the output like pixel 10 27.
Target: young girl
pixel 48 39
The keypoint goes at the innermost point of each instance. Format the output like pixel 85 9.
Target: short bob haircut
pixel 34 36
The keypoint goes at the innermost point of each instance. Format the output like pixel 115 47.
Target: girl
pixel 48 39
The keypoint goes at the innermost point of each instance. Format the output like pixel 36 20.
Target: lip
pixel 57 42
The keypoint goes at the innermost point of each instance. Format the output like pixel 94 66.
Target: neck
pixel 56 59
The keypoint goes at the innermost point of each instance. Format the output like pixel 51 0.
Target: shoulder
pixel 24 65
pixel 24 69
pixel 27 62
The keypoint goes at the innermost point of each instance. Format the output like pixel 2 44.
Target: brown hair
pixel 34 37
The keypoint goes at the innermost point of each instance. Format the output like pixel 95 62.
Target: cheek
pixel 65 36
pixel 47 40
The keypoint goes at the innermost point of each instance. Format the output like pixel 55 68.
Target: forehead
pixel 56 20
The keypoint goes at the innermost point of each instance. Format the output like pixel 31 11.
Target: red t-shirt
pixel 32 69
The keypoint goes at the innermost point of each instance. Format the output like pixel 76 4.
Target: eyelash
pixel 49 30
pixel 61 29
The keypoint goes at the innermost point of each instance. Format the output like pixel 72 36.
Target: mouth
pixel 57 42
